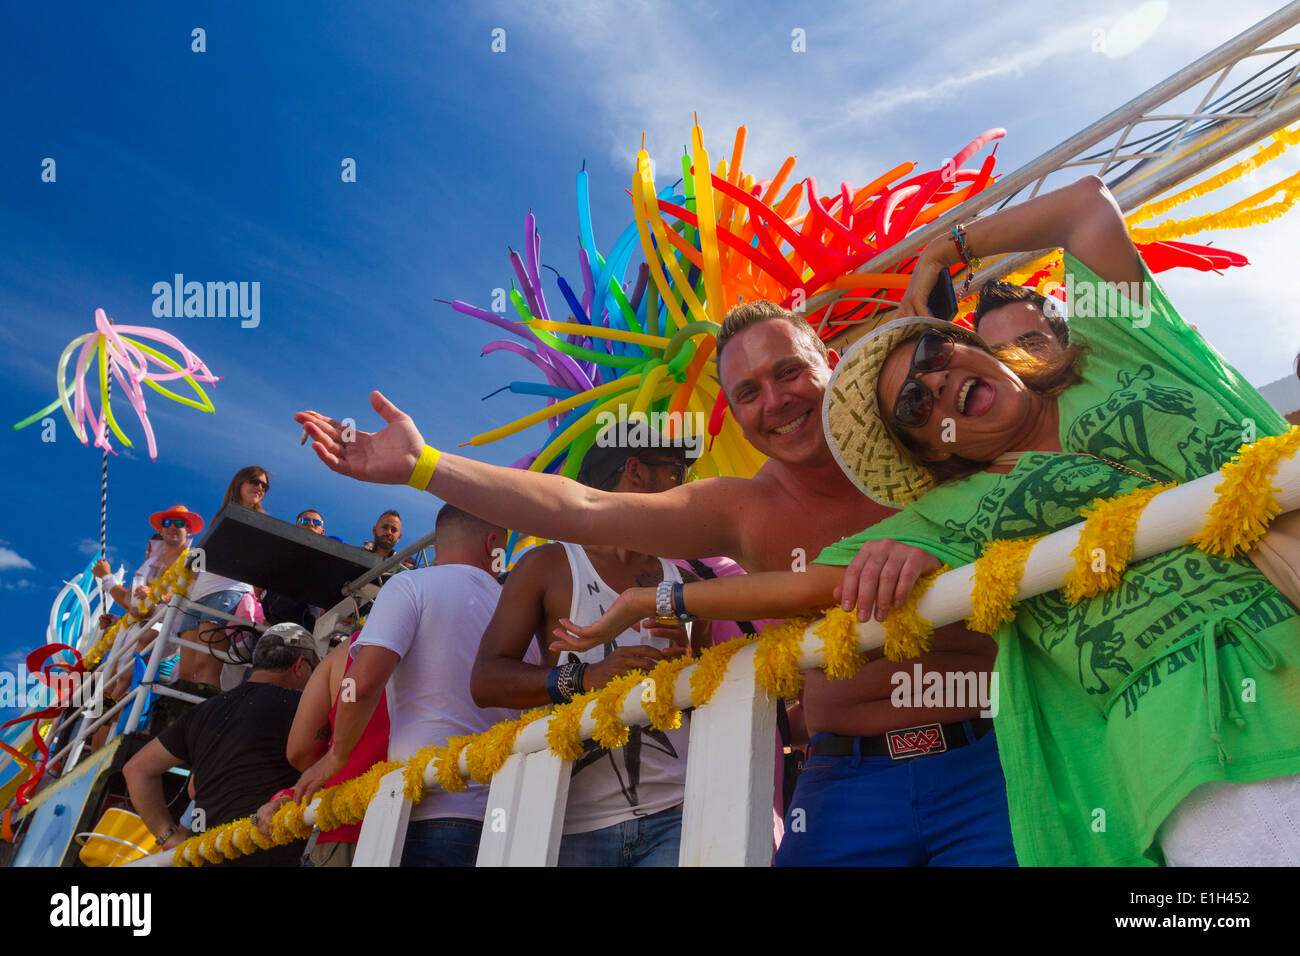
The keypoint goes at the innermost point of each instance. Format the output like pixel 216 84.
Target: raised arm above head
pixel 695 520
pixel 1081 218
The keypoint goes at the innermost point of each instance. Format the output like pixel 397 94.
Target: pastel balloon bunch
pixel 129 358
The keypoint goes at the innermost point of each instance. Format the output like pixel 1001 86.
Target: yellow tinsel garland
pixel 776 658
pixel 564 731
pixel 997 576
pixel 413 772
pixel 907 634
pixel 287 823
pixel 1245 504
pixel 1283 139
pixel 447 769
pixel 610 731
pixel 839 633
pixel 488 751
pixel 661 710
pixel 711 667
pixel 1251 211
pixel 328 810
pixel 1106 540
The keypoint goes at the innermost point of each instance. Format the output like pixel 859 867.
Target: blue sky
pixel 225 166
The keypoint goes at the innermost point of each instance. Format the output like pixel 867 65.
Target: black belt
pixel 905 742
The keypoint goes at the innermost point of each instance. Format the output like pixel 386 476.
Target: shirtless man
pixel 774 370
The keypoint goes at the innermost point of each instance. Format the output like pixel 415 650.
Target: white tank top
pixel 646 775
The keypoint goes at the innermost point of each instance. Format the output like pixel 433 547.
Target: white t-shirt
pixel 434 619
pixel 206 583
pixel 648 773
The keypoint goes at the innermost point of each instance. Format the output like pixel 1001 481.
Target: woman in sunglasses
pixel 201 670
pixel 1156 722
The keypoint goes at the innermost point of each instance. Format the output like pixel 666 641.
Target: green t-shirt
pixel 1110 712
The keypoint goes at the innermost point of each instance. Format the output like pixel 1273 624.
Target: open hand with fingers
pixel 633 605
pixel 882 575
pixel 384 457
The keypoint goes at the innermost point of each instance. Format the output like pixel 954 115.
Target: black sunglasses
pixel 915 401
pixel 259 482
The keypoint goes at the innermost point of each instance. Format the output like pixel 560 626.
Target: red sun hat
pixel 192 521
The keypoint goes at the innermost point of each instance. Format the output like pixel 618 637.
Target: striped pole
pixel 104 597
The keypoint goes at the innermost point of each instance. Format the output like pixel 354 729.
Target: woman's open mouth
pixel 975 398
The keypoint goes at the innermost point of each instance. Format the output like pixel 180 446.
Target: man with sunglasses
pixel 174 527
pixel 312 521
pixel 625 805
pixel 774 370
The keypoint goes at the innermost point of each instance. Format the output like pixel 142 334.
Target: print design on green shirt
pixel 1119 427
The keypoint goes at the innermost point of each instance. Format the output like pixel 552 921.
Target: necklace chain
pixel 1117 465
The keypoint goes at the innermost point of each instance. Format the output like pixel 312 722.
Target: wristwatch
pixel 664 614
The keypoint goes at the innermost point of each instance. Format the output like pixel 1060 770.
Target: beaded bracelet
pixel 972 263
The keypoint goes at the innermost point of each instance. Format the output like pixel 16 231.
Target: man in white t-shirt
pixel 625 805
pixel 419 641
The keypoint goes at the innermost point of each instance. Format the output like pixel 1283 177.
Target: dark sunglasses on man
pixel 174 523
pixel 915 401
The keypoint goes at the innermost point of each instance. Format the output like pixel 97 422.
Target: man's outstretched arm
pixel 698 519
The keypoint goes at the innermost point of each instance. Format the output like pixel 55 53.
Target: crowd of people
pixel 1122 735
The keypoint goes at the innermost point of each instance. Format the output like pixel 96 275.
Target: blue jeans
pixel 652 840
pixel 225 601
pixel 948 809
pixel 448 841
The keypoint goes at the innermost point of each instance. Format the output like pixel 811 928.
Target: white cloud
pixel 11 560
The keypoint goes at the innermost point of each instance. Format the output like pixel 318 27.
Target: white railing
pixel 727 817
pixel 119 662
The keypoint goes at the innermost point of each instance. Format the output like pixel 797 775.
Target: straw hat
pixel 856 430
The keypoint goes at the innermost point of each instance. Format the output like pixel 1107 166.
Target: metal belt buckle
pixel 916 741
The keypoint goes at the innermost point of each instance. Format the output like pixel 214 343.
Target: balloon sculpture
pixel 129 359
pixel 640 342
pixel 724 238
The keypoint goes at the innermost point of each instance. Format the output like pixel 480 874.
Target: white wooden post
pixel 383 831
pixel 525 814
pixel 727 816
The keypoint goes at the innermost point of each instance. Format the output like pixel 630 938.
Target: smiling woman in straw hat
pixel 1122 728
